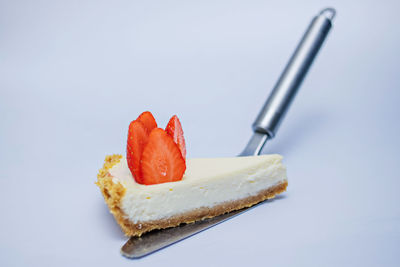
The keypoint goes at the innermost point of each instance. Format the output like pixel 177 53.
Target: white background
pixel 73 74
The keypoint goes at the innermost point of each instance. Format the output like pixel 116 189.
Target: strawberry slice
pixel 162 160
pixel 137 139
pixel 148 121
pixel 174 129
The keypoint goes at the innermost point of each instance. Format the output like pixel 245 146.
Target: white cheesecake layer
pixel 206 183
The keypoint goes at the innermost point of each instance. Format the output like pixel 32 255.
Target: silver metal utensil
pixel 277 104
pixel 264 127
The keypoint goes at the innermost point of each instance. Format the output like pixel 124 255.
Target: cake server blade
pixel 264 127
pixel 255 145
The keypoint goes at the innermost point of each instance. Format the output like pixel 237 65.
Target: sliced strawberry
pixel 174 129
pixel 137 139
pixel 148 120
pixel 162 160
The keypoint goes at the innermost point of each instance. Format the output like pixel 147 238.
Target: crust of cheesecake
pixel 114 192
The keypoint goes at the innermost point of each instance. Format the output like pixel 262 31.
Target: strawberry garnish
pixel 148 121
pixel 174 129
pixel 138 136
pixel 162 160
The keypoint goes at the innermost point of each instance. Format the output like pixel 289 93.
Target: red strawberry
pixel 148 120
pixel 137 139
pixel 162 160
pixel 174 129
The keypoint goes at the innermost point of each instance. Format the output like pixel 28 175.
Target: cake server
pixel 264 127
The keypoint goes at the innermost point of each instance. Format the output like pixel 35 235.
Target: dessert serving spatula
pixel 264 127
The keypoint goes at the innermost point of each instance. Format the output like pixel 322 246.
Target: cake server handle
pixel 277 104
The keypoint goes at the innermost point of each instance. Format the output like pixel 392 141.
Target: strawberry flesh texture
pixel 137 139
pixel 148 121
pixel 174 129
pixel 162 160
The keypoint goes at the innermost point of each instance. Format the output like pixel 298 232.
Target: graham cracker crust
pixel 113 193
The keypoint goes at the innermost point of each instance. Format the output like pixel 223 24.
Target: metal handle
pixel 276 106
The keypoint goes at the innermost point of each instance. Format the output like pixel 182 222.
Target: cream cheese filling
pixel 206 183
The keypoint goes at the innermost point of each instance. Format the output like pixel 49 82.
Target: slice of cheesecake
pixel 209 187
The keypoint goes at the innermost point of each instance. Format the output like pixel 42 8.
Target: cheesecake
pixel 209 187
pixel 155 186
